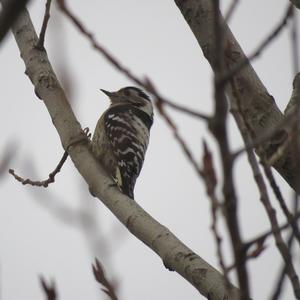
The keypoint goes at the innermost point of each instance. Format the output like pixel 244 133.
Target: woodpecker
pixel 121 136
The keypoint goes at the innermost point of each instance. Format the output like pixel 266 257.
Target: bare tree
pixel 268 134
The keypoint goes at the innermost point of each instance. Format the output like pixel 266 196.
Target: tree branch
pixel 210 179
pixel 101 278
pixel 41 40
pixel 49 289
pixel 175 255
pixel 219 128
pixel 257 105
pixel 264 197
pixel 275 32
pixel 43 183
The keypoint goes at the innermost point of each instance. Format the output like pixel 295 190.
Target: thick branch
pixel 257 105
pixel 175 255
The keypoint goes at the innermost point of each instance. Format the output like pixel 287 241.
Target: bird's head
pixel 133 96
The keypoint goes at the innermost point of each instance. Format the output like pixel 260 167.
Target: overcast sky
pixel 40 229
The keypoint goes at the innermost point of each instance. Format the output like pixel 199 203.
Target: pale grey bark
pixel 258 107
pixel 175 255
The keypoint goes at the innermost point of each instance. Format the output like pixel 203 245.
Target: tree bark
pixel 258 107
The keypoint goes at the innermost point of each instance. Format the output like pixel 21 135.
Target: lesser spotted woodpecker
pixel 121 136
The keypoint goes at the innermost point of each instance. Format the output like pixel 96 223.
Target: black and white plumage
pixel 121 136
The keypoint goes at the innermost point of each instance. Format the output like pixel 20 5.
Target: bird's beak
pixel 109 94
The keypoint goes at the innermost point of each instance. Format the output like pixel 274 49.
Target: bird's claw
pixel 86 131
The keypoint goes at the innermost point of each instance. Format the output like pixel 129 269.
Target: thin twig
pixel 43 183
pixel 229 73
pixel 281 278
pixel 84 137
pixel 231 9
pixel 178 107
pixel 262 237
pixel 282 274
pixel 179 139
pixel 100 277
pixel 218 126
pixel 41 40
pixel 260 247
pixel 49 289
pixel 278 194
pixel 210 180
pixel 97 46
pixel 146 83
pixel 264 196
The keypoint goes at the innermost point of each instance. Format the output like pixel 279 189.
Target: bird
pixel 121 136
